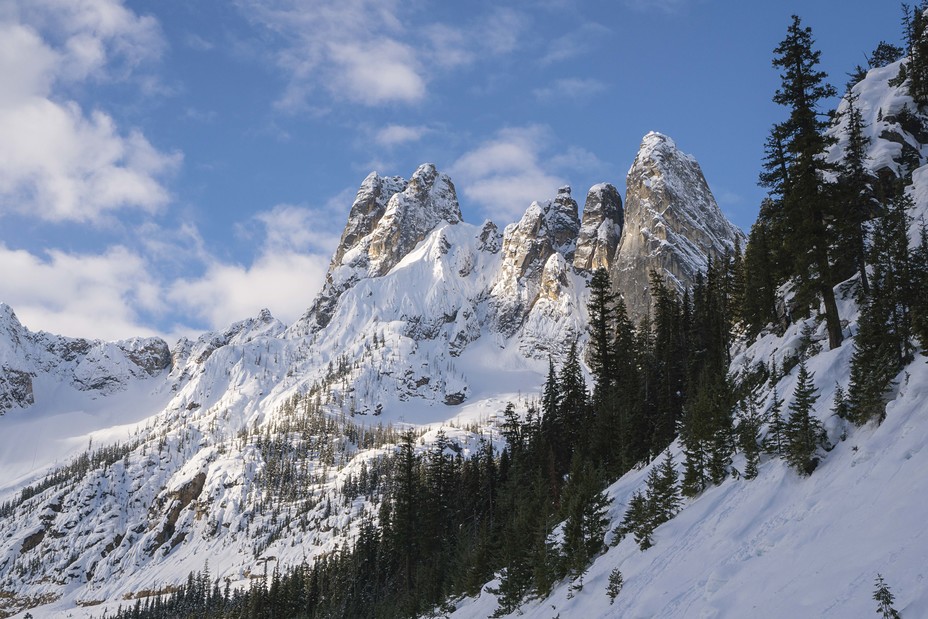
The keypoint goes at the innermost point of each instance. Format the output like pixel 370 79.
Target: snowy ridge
pixel 85 365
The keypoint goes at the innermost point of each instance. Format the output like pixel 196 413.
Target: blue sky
pixel 168 167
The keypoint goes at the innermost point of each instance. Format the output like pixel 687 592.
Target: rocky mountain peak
pixel 672 223
pixel 546 228
pixel 388 218
pixel 368 207
pixel 428 200
pixel 601 228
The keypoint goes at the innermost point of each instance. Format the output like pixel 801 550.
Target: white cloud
pixel 80 295
pixel 57 161
pixel 285 277
pixel 506 173
pixel 373 52
pixel 395 135
pixel 575 89
pixel 286 282
pixel 376 72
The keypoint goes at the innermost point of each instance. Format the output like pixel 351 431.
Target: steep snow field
pixel 780 545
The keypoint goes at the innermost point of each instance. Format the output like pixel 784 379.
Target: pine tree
pixel 585 526
pixel 873 364
pixel 856 189
pixel 884 54
pixel 663 491
pixel 748 431
pixel 915 74
pixel 601 311
pixel 794 171
pixel 614 588
pixel 920 290
pixel 803 430
pixel 637 521
pixel 884 597
pixel 758 306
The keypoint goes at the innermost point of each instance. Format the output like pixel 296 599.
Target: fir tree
pixel 794 171
pixel 856 187
pixel 748 431
pixel 885 598
pixel 758 306
pixel 585 527
pixel 614 588
pixel 803 430
pixel 637 521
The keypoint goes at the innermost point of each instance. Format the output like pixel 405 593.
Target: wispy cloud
pixel 395 135
pixel 373 52
pixel 578 42
pixel 506 173
pixel 285 275
pixel 664 6
pixel 569 89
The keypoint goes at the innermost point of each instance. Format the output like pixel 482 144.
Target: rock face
pixel 389 217
pixel 545 229
pixel 601 228
pixel 672 223
pixel 87 365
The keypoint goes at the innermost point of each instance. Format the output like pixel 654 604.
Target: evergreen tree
pixel 885 598
pixel 601 311
pixel 920 290
pixel 884 54
pixel 794 171
pixel 614 588
pixel 748 431
pixel 856 189
pixel 803 430
pixel 585 526
pixel 637 521
pixel 758 306
pixel 669 363
pixel 915 69
pixel 664 491
pixel 873 364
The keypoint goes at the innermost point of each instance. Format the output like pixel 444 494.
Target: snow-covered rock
pixel 94 366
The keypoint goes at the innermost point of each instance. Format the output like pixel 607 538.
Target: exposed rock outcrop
pixel 601 228
pixel 672 223
pixel 545 229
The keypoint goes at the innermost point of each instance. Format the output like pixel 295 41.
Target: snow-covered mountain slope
pixel 779 545
pixel 783 545
pixel 237 446
pixel 92 366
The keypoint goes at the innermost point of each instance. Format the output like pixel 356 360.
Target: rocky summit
pixel 672 226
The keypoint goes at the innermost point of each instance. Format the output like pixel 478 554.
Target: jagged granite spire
pixel 388 218
pixel 601 228
pixel 546 228
pixel 672 223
